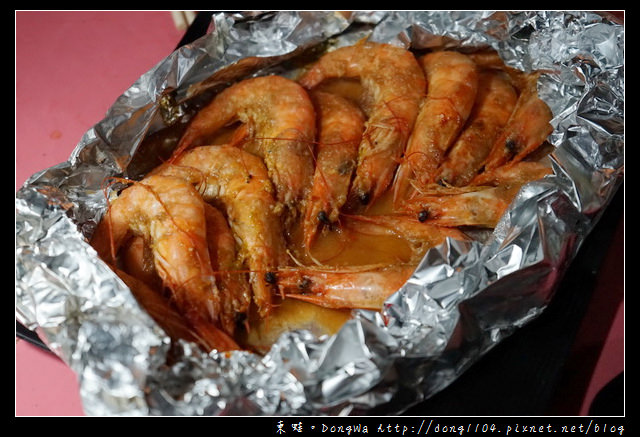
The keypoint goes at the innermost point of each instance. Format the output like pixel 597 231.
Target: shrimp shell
pixel 235 292
pixel 393 84
pixel 452 79
pixel 137 260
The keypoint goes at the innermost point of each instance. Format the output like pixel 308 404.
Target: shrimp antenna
pixel 294 259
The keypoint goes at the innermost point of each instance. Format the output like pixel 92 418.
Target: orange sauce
pixel 333 247
pixel 290 314
pixel 337 246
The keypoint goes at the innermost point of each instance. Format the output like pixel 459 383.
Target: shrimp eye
pixel 324 218
pixel 305 285
pixel 270 277
pixel 364 198
pixel 345 168
pixel 511 146
pixel 423 215
pixel 240 318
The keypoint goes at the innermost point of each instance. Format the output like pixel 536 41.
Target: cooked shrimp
pixel 169 214
pixel 363 287
pixel 488 59
pixel 230 275
pixel 393 84
pixel 494 103
pixel 480 206
pixel 452 79
pixel 231 280
pixel 527 128
pixel 239 181
pixel 278 124
pixel 510 174
pixel 172 321
pixel 419 234
pixel 136 259
pixel 340 127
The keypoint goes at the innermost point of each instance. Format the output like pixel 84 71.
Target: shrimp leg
pixel 452 86
pixel 393 84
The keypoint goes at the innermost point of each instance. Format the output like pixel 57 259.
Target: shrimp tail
pixel 211 337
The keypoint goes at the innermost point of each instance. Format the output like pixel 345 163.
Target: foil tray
pixel 464 299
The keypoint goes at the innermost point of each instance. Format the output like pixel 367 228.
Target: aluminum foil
pixel 464 297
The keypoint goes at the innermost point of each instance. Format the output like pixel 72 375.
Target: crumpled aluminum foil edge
pixel 482 290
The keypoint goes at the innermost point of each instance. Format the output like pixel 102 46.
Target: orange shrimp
pixel 340 127
pixel 495 101
pixel 278 124
pixel 393 85
pixel 419 234
pixel 231 280
pixel 488 59
pixel 452 86
pixel 480 206
pixel 169 214
pixel 518 173
pixel 136 260
pixel 172 321
pixel 361 287
pixel 230 274
pixel 239 181
pixel 527 128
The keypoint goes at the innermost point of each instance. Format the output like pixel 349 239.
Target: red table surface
pixel 70 68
